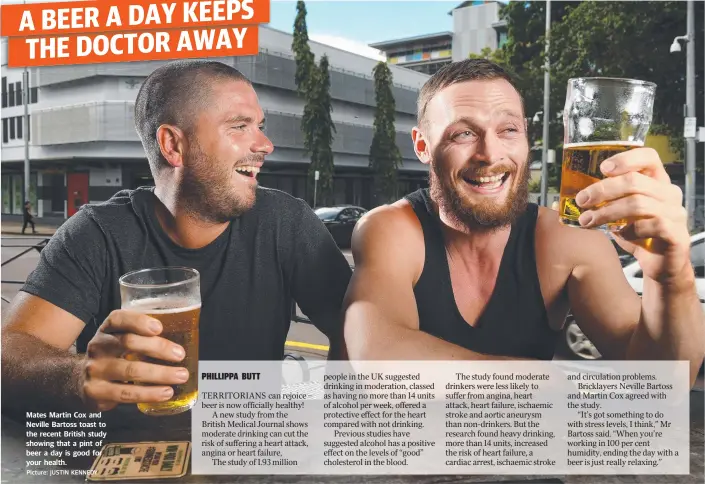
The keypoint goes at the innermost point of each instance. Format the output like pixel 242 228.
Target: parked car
pixel 340 221
pixel 577 345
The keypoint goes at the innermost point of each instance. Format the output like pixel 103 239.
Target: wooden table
pixel 129 425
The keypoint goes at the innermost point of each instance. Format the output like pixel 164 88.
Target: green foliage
pixel 313 84
pixel 610 39
pixel 535 186
pixel 385 157
pixel 318 124
pixel 628 39
pixel 305 60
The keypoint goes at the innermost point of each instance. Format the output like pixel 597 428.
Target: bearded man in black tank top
pixel 468 269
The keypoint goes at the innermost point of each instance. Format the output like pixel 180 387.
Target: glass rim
pixel 196 276
pixel 624 80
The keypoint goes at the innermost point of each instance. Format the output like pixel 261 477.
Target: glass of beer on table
pixel 602 117
pixel 173 296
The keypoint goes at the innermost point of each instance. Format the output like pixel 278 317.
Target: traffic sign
pixel 689 127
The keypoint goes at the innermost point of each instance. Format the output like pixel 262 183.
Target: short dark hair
pixel 461 71
pixel 171 94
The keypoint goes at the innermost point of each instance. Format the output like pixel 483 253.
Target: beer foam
pixel 162 306
pixel 596 144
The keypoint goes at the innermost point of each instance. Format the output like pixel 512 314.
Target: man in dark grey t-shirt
pixel 256 249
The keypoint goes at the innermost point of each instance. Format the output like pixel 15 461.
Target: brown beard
pixel 486 216
pixel 205 189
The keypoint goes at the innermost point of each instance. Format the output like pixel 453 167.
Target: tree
pixel 305 60
pixel 318 123
pixel 522 56
pixel 618 40
pixel 611 39
pixel 385 157
pixel 313 85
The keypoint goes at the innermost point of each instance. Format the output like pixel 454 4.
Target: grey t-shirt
pixel 276 252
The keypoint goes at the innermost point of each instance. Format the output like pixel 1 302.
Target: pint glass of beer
pixel 602 117
pixel 173 296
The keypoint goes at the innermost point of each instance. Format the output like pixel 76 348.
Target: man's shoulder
pixel 399 215
pixel 119 212
pixel 123 200
pixel 389 229
pixel 271 198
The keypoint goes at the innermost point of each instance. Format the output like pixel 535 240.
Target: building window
pixel 501 39
pixel 11 95
pixel 18 94
pixel 5 131
pixel 12 128
pixel 19 127
pixel 33 95
pixel 4 92
pixel 17 189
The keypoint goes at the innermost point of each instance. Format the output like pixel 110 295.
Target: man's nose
pixel 262 144
pixel 489 149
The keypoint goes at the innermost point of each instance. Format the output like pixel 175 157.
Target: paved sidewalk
pixel 15 228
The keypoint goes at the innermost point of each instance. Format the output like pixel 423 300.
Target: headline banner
pixel 87 32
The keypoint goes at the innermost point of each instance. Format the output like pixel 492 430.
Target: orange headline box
pixel 133 46
pixel 24 20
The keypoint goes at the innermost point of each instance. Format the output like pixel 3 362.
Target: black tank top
pixel 514 322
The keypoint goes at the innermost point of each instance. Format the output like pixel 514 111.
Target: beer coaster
pixel 141 460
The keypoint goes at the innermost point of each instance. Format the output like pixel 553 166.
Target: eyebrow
pixel 242 119
pixel 510 113
pixel 473 122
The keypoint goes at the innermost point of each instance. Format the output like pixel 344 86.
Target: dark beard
pixel 485 216
pixel 205 191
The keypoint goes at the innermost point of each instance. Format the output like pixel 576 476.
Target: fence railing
pixel 28 248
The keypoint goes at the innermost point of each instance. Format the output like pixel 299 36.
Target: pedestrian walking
pixel 28 218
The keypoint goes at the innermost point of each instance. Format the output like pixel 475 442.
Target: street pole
pixel 546 98
pixel 690 113
pixel 25 130
pixel 316 175
pixel 25 133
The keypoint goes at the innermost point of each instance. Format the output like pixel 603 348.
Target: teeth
pixel 489 179
pixel 492 186
pixel 251 169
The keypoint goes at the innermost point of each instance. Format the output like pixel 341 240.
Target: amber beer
pixel 173 296
pixel 581 168
pixel 180 326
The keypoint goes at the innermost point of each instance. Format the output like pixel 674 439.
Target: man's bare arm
pixel 381 318
pixel 666 323
pixel 38 372
pixel 37 368
pixel 672 324
pixel 637 188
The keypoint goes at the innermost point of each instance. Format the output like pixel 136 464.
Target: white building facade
pixel 476 26
pixel 83 146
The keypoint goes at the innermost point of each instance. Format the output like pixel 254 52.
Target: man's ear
pixel 421 147
pixel 172 144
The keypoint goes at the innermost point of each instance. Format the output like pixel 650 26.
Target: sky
pixel 352 25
